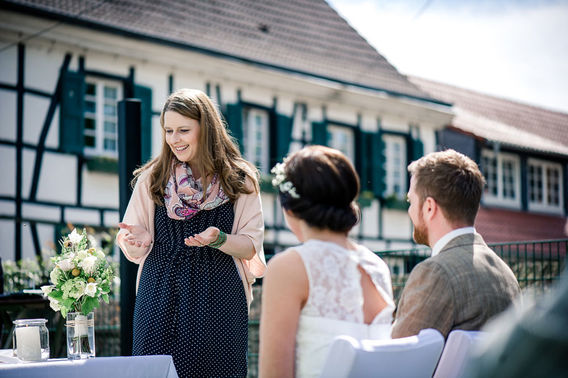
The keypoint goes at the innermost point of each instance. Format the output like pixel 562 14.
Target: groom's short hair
pixel 453 180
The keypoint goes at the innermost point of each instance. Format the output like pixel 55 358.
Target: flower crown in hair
pixel 280 181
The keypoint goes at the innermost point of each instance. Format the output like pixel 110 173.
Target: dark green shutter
pixel 284 126
pixel 417 148
pixel 364 165
pixel 378 176
pixel 319 133
pixel 145 96
pixel 235 123
pixel 71 114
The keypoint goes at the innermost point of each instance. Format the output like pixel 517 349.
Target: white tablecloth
pixel 99 367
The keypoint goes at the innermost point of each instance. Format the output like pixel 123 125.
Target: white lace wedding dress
pixel 335 302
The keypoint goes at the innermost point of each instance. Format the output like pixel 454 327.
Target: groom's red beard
pixel 420 233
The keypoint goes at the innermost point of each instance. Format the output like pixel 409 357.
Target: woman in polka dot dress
pixel 194 225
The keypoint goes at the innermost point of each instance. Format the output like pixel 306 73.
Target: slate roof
pixel 301 36
pixel 505 121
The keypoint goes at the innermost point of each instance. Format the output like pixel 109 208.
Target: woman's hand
pixel 203 238
pixel 136 235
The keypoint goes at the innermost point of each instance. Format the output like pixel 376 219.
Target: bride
pixel 327 286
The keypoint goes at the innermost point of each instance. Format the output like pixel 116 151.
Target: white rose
pixel 47 289
pixel 66 265
pixel 75 237
pixel 89 264
pixel 91 289
pixel 54 304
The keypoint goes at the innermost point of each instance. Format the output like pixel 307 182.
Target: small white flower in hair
pixel 280 181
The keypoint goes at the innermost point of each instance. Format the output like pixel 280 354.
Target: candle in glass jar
pixel 28 343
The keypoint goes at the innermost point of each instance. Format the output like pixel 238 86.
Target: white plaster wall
pixel 41 212
pixel 8 63
pixel 7 246
pixel 257 95
pixel 370 220
pixel 8 170
pixel 81 216
pixel 58 180
pixel 340 113
pixel 369 122
pixel 7 208
pixel 112 64
pixel 396 224
pixel 389 122
pixel 100 189
pixel 188 79
pixel 110 218
pixel 52 139
pixel 35 110
pixel 28 161
pixel 42 66
pixel 267 208
pixel 428 137
pixel 8 101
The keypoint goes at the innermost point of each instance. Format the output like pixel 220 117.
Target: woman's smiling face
pixel 182 135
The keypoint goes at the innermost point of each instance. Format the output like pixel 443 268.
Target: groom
pixel 464 283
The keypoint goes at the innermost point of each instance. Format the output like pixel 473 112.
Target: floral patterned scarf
pixel 183 195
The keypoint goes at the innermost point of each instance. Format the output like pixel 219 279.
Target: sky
pixel 512 49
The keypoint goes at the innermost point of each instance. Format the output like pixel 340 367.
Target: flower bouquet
pixel 80 279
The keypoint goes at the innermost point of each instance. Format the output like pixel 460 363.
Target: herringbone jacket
pixel 462 287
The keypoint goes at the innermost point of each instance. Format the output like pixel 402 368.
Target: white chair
pixel 456 353
pixel 408 357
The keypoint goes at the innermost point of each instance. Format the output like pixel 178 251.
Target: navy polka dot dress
pixel 191 302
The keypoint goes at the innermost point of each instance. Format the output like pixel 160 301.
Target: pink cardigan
pixel 248 221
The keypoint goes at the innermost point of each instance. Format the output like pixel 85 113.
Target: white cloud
pixel 516 51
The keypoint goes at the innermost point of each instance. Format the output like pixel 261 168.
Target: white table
pixel 99 367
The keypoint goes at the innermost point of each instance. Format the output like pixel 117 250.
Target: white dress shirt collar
pixel 440 244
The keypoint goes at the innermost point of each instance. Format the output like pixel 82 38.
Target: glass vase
pixel 80 335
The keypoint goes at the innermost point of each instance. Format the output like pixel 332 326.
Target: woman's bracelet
pixel 221 239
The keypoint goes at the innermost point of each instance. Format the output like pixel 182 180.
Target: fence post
pixel 129 157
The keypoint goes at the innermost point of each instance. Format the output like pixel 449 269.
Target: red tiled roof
pixel 306 36
pixel 502 120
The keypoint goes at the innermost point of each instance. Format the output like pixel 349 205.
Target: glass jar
pixel 31 340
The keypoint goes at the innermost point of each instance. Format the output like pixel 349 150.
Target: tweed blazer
pixel 460 288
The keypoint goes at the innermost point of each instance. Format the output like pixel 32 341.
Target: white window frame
pixel 100 117
pixel 342 138
pixel 395 164
pixel 499 199
pixel 544 206
pixel 256 128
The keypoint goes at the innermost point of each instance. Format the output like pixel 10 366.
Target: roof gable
pixel 303 36
pixel 502 120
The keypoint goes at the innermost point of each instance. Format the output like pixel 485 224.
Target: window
pixel 255 138
pixel 502 174
pixel 545 186
pixel 101 118
pixel 343 139
pixel 396 174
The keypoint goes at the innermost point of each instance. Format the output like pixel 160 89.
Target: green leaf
pixel 56 294
pixel 105 298
pixel 68 302
pixel 64 311
pixel 89 305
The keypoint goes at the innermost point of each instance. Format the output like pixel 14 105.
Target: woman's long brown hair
pixel 217 152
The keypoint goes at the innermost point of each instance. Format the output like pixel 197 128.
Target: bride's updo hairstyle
pixel 319 185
